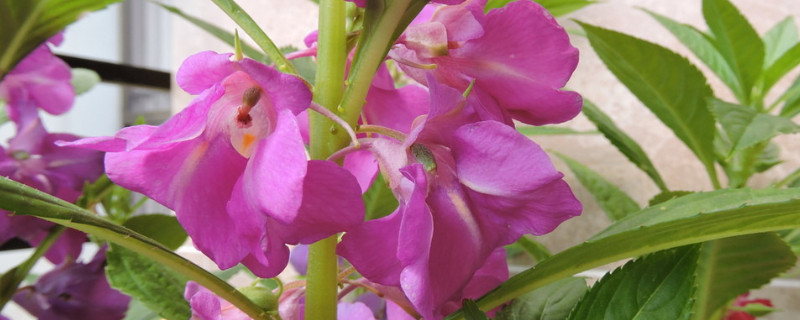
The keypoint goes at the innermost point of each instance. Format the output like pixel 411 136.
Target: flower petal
pixel 203 70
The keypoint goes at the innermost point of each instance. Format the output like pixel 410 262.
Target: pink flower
pixel 233 166
pixel 41 80
pixel 33 158
pixel 465 187
pixel 742 301
pixel 518 57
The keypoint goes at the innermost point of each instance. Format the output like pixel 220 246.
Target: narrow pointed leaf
pixel 785 63
pixel 737 41
pixel 686 220
pixel 551 302
pixel 27 24
pixel 652 287
pixel 623 142
pixel 556 7
pixel 615 202
pixel 779 39
pixel 472 312
pixel 238 15
pixel 702 47
pixel 149 282
pixel 671 87
pixel 549 130
pixel 745 127
pixel 534 248
pixel 21 199
pixel 218 33
pixel 791 106
pixel 727 268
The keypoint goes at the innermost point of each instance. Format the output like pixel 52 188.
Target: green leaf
pixel 551 302
pixel 138 311
pixel 727 268
pixel 472 312
pixel 746 128
pixel 623 142
pixel 779 39
pixel 686 220
pixel 159 227
pixel 29 23
pixel 770 157
pixel 549 130
pixel 737 41
pixel 666 196
pixel 158 288
pixel 535 248
pixel 671 87
pixel 792 97
pixel 652 287
pixel 83 80
pixel 219 33
pixel 792 238
pixel 238 15
pixel 21 199
pixel 3 115
pixel 702 46
pixel 556 7
pixel 616 203
pixel 379 201
pixel 780 68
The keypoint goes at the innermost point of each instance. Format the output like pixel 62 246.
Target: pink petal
pixel 203 70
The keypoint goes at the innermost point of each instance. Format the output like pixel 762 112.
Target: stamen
pixel 249 100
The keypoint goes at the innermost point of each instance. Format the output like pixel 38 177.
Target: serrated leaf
pixel 21 199
pixel 27 24
pixel 379 201
pixel 238 15
pixel 737 41
pixel 623 142
pixel 83 79
pixel 727 268
pixel 671 87
pixel 653 287
pixel 549 130
pixel 158 288
pixel 219 33
pixel 614 202
pixel 551 302
pixel 792 238
pixel 745 127
pixel 666 196
pixel 686 220
pixel 159 227
pixel 703 48
pixel 791 96
pixel 779 39
pixel 788 61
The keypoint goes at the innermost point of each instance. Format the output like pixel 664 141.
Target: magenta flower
pixel 233 166
pixel 518 57
pixel 41 80
pixel 74 290
pixel 33 158
pixel 465 188
pixel 208 306
pixel 363 3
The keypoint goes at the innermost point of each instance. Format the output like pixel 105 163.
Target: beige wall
pixel 288 21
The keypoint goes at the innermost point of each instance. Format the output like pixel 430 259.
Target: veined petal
pixel 284 91
pixel 202 70
pixel 378 260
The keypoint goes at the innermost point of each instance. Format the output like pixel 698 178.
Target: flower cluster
pixel 233 164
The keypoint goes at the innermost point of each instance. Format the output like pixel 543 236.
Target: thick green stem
pixel 326 138
pixel 12 279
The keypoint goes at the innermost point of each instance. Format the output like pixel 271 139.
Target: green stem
pixel 785 181
pixel 326 138
pixel 373 45
pixel 12 279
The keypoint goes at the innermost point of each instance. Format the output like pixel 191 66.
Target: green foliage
pixel 158 288
pixel 615 202
pixel 623 142
pixel 666 196
pixel 379 201
pixel 3 114
pixel 779 39
pixel 27 24
pixel 472 312
pixel 551 302
pixel 653 287
pixel 686 220
pixel 549 130
pixel 159 227
pixel 791 106
pixel 218 33
pixel 655 75
pixel 139 311
pixel 727 268
pixel 83 80
pixel 736 41
pixel 238 15
pixel 534 248
pixel 745 127
pixel 555 7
